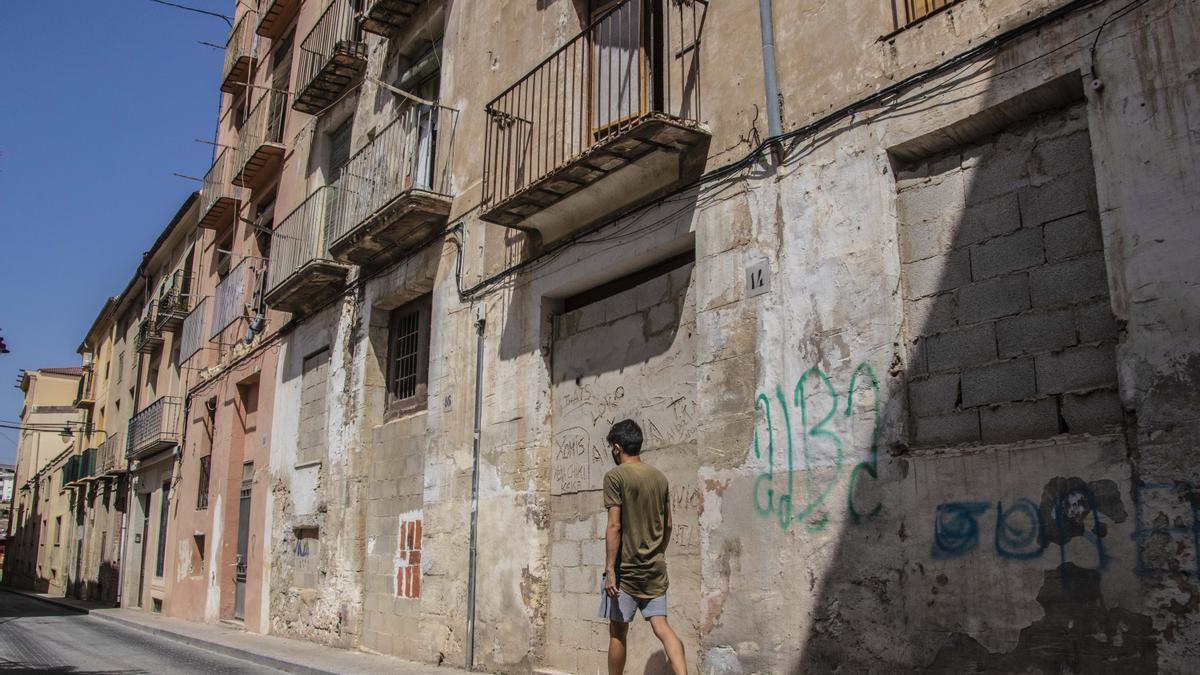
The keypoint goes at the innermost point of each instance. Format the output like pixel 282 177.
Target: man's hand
pixel 610 583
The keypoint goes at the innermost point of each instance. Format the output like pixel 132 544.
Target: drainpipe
pixel 770 74
pixel 471 551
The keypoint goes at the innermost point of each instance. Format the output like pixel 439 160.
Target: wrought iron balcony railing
pixel 173 303
pixel 156 427
pixel 332 56
pixel 387 17
pixel 394 193
pixel 274 16
pixel 149 338
pixel 239 54
pixel 911 11
pixel 626 87
pixel 302 273
pixel 192 336
pixel 110 455
pixel 234 294
pixel 218 195
pixel 260 140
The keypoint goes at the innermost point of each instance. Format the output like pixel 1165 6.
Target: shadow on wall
pixel 1010 339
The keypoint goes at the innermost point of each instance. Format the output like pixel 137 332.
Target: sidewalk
pixel 292 656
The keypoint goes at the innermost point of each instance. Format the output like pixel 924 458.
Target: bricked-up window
pixel 408 558
pixel 1007 302
pixel 408 355
pixel 202 488
pixel 314 385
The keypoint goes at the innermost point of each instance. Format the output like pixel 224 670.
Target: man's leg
pixel 670 642
pixel 617 632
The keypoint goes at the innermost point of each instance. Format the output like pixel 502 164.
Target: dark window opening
pixel 163 512
pixel 202 489
pixel 408 355
pixel 611 288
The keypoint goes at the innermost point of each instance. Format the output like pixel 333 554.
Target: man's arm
pixel 667 531
pixel 612 544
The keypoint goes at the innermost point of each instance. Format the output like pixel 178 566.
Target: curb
pixel 207 645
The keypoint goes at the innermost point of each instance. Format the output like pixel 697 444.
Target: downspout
pixel 770 73
pixel 471 551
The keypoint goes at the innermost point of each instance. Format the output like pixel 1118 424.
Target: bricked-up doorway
pixel 624 349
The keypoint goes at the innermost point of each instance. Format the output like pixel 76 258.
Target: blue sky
pixel 102 101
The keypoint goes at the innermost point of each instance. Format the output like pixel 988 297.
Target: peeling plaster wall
pixel 822 537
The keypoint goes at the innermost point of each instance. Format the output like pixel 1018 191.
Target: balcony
pixel 274 17
pixel 303 276
pixel 332 56
pixel 393 195
pixel 85 396
pixel 907 12
pixel 192 337
pixel 260 141
pixel 173 304
pixel 234 294
pixel 85 468
pixel 155 428
pixel 149 338
pixel 239 55
pixel 110 455
pixel 387 17
pixel 218 196
pixel 617 107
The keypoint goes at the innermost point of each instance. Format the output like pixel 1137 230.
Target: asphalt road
pixel 39 637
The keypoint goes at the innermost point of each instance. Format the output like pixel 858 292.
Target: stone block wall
pixel 1007 300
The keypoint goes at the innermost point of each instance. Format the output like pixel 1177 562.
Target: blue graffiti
pixel 1020 533
pixel 956 528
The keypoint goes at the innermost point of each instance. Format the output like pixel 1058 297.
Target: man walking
pixel 639 528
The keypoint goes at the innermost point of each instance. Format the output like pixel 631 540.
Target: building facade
pixel 40 554
pixel 913 340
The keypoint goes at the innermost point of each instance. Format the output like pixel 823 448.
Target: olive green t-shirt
pixel 641 492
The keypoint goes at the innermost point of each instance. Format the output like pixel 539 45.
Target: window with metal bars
pixel 408 356
pixel 202 489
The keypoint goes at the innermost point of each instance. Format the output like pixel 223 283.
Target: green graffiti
pixel 871 465
pixel 784 506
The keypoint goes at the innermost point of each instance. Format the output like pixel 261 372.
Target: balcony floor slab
pixel 309 287
pixel 617 173
pixel 393 231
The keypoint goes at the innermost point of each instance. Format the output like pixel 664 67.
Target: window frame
pixel 202 488
pixel 394 405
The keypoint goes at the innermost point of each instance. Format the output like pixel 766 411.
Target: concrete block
pixel 962 347
pixel 590 316
pixel 988 219
pixel 1035 332
pixel 1068 282
pixel 1093 411
pixel 933 314
pixel 936 201
pixel 579 580
pixel 1078 368
pixel 564 554
pixel 1017 251
pixel 593 552
pixel 933 395
pixel 997 383
pixel 916 358
pixel 1071 237
pixel 959 427
pixel 663 317
pixel 1063 155
pixel 925 240
pixel 937 274
pixel 1058 198
pixel 991 171
pixel 1095 322
pixel 1019 421
pixel 580 530
pixel 993 298
pixel 556 579
pixel 653 292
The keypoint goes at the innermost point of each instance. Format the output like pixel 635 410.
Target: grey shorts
pixel 623 607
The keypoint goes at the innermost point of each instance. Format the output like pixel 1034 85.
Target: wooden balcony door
pixel 626 39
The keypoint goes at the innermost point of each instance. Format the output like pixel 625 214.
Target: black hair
pixel 628 435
